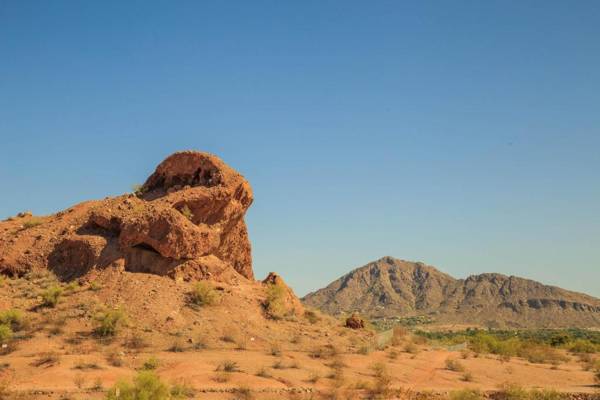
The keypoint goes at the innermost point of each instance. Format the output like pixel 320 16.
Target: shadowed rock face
pixel 186 221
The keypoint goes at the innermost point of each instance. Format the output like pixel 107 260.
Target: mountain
pixel 390 287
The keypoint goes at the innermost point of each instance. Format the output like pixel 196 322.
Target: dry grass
pixel 47 360
pixel 228 366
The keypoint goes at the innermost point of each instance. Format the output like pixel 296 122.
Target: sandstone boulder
pixel 187 221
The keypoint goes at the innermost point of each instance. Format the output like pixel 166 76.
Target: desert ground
pixel 229 349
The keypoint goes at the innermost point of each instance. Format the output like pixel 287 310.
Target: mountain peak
pixel 392 287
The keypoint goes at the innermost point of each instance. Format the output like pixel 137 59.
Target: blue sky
pixel 462 134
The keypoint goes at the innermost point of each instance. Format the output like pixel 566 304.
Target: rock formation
pixel 186 221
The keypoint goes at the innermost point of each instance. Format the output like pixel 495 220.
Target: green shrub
pixel 186 212
pixel 51 296
pixel 204 294
pixel 146 386
pixel 5 334
pixel 182 390
pixel 150 364
pixel 13 318
pixel 583 346
pixel 511 391
pixel 466 394
pixel 275 301
pixel 110 322
pixel 544 394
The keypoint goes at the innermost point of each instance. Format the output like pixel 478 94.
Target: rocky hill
pixel 186 221
pixel 396 288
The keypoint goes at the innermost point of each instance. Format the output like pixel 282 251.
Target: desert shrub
pixel 79 381
pixel 95 286
pixel 511 391
pixel 182 390
pixel 583 346
pixel 466 394
pixel 275 301
pixel 82 365
pixel 12 318
pixel 32 222
pixel 392 355
pixel 204 294
pixel 381 386
pixel 244 393
pixel 5 334
pixel 146 386
pixel 138 189
pixel 150 364
pixel 177 346
pixel 454 365
pixel 314 377
pixel 97 386
pixel 228 366
pixel 411 348
pixel 324 352
pixel 311 316
pixel 467 377
pixel 228 337
pixel 398 335
pixel 72 286
pixel 275 350
pixel 186 212
pixel 115 359
pixel 51 296
pixel 109 322
pixel 544 394
pixel 221 377
pixel 540 354
pixel 135 341
pixel 264 373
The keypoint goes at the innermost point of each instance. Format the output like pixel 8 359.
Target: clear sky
pixel 462 134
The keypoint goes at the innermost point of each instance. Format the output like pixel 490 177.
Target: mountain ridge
pixel 391 287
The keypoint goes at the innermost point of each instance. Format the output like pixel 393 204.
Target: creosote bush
pixel 12 318
pixel 150 364
pixel 110 322
pixel 204 294
pixel 145 386
pixel 275 301
pixel 51 296
pixel 466 394
pixel 5 334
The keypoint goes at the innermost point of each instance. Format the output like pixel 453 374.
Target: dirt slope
pixel 390 287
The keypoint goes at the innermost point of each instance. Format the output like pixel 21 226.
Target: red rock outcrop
pixel 355 322
pixel 187 221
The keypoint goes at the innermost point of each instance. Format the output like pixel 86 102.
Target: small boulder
pixel 355 322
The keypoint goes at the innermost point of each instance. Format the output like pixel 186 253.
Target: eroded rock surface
pixel 187 221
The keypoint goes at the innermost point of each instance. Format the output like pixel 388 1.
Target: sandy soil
pixel 58 355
